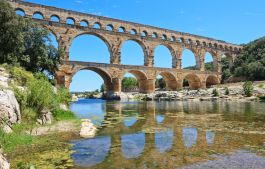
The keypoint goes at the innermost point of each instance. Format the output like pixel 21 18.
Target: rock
pixel 9 110
pixel 4 164
pixel 45 117
pixel 74 98
pixel 88 130
pixel 63 106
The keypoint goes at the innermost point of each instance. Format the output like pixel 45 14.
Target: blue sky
pixel 235 21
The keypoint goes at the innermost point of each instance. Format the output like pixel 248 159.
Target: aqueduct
pixel 114 32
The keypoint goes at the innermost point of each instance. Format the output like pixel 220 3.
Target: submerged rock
pixel 88 130
pixel 4 164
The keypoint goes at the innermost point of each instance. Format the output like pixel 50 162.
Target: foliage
pixel 129 82
pixel 63 95
pixel 25 43
pixel 60 114
pixel 251 62
pixel 215 93
pixel 248 88
pixel 160 83
pixel 103 88
pixel 185 83
pixel 226 91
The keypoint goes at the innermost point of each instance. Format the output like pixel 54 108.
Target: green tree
pixel 160 83
pixel 103 88
pixel 248 88
pixel 25 43
pixel 129 82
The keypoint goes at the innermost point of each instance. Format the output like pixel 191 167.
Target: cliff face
pixel 9 107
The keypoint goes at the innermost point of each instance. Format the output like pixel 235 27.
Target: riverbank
pixel 224 91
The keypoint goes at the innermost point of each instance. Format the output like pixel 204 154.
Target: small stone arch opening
pixel 192 81
pixel 97 25
pixel 55 18
pixel 211 80
pixel 110 27
pixel 20 12
pixel 84 23
pixel 70 21
pixel 38 15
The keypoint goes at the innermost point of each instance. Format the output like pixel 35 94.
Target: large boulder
pixel 4 164
pixel 45 117
pixel 88 130
pixel 9 110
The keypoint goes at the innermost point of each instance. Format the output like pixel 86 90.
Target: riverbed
pixel 176 134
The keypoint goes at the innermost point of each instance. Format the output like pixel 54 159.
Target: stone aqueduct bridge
pixel 114 32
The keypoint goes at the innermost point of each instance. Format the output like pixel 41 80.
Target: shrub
pixel 248 88
pixel 63 95
pixel 21 76
pixel 226 91
pixel 60 114
pixel 215 93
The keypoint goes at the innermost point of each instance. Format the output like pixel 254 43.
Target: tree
pixel 25 43
pixel 129 82
pixel 160 83
pixel 103 88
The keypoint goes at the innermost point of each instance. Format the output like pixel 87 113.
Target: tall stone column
pixel 116 86
pixel 147 86
pixel 177 61
pixel 115 51
pixel 149 56
pixel 217 62
pixel 200 57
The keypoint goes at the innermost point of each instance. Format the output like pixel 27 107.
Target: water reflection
pixel 165 134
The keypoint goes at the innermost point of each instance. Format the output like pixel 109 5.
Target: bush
pixel 215 93
pixel 248 88
pixel 226 91
pixel 60 114
pixel 63 95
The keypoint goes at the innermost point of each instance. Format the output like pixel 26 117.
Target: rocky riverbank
pixel 4 164
pixel 226 92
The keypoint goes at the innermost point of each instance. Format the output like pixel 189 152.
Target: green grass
pixel 60 114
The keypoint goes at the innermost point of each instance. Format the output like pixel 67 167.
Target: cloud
pixel 79 2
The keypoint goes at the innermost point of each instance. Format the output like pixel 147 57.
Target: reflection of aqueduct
pixel 114 32
pixel 180 148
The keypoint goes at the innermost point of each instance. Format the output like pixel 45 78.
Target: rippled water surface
pixel 166 134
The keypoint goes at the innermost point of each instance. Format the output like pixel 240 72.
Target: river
pixel 169 134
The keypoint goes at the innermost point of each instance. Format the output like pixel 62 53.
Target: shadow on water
pixel 165 134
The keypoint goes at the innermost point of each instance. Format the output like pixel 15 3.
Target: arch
pixel 109 27
pixel 122 29
pixel 144 34
pixel 38 15
pixel 193 80
pixel 70 21
pixel 173 39
pixel 164 37
pixel 212 80
pixel 170 80
pixel 55 18
pixel 188 59
pixel 105 48
pixel 84 23
pixel 154 35
pixel 133 31
pixel 209 62
pixel 131 48
pixel 97 25
pixel 198 42
pixel 163 56
pixel 20 12
pixel 141 79
pixel 106 77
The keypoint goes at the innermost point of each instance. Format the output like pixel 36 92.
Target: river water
pixel 167 134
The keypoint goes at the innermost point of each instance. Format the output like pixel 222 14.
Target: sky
pixel 235 21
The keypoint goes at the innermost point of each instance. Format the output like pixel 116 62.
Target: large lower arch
pixel 212 80
pixel 132 52
pixel 100 53
pixel 103 74
pixel 170 80
pixel 145 85
pixel 194 81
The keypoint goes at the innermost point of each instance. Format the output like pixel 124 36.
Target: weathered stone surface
pixel 88 130
pixel 4 164
pixel 45 117
pixel 9 109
